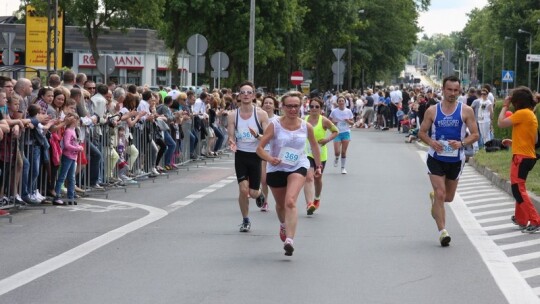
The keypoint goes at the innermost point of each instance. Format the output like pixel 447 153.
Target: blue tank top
pixel 448 127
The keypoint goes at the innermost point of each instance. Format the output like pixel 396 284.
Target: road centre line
pixel 30 274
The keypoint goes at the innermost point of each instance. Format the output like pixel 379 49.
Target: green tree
pixel 95 17
pixel 225 24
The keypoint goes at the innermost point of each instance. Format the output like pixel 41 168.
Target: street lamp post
pixel 251 52
pixel 530 52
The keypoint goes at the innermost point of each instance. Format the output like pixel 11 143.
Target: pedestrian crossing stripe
pixel 508 77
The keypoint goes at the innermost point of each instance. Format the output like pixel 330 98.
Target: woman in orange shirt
pixel 524 137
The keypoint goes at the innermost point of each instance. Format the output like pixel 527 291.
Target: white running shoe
pixel 39 196
pixel 343 171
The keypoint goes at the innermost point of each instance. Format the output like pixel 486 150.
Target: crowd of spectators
pixel 122 134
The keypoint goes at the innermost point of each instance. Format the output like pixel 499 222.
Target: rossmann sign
pixel 86 60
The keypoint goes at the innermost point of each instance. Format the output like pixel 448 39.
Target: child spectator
pixel 405 123
pixel 122 164
pixel 69 157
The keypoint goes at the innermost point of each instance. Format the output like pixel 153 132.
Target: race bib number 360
pixel 289 156
pixel 448 151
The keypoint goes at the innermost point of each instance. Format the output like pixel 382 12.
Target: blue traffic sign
pixel 507 76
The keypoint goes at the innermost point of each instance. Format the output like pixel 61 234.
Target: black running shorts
pixel 451 171
pixel 248 167
pixel 278 179
pixel 313 165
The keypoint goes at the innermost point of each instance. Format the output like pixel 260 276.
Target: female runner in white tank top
pixel 288 163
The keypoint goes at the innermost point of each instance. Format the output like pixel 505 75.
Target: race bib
pixel 289 156
pixel 343 125
pixel 448 151
pixel 244 135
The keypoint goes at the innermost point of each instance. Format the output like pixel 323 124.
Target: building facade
pixel 140 57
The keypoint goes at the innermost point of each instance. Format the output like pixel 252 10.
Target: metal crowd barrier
pixel 101 165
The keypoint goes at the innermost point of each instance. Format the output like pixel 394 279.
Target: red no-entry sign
pixel 297 78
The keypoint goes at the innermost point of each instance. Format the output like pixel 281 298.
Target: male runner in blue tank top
pixel 245 128
pixel 447 122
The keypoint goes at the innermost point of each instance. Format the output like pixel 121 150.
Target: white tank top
pixel 289 146
pixel 244 140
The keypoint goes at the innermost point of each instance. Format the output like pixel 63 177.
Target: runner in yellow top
pixel 313 184
pixel 524 137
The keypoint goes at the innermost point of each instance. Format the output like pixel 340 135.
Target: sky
pixel 446 16
pixel 7 7
pixel 443 16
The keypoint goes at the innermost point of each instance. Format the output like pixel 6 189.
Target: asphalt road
pixel 176 240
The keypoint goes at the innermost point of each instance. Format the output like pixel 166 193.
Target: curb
pixel 495 178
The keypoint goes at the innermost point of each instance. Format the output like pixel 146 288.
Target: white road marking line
pixel 512 285
pixel 537 290
pixel 525 257
pixel 478 190
pixel 506 210
pixel 200 194
pixel 531 273
pixel 493 219
pixel 506 235
pixel 474 186
pixel 520 244
pixel 487 200
pixel 195 196
pixel 28 275
pixel 497 227
pixel 490 206
pixel 487 197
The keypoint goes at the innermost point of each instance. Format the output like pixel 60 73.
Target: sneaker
pixel 245 226
pixel 343 171
pixel 128 182
pixel 336 161
pixel 317 203
pixel 310 208
pixel 58 202
pixel 155 171
pixel 39 196
pixel 514 221
pixel 97 187
pixel 531 229
pixel 3 212
pixel 432 199
pixel 288 247
pixel 260 200
pixel 264 208
pixel 445 238
pixel 282 233
pixel 31 199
